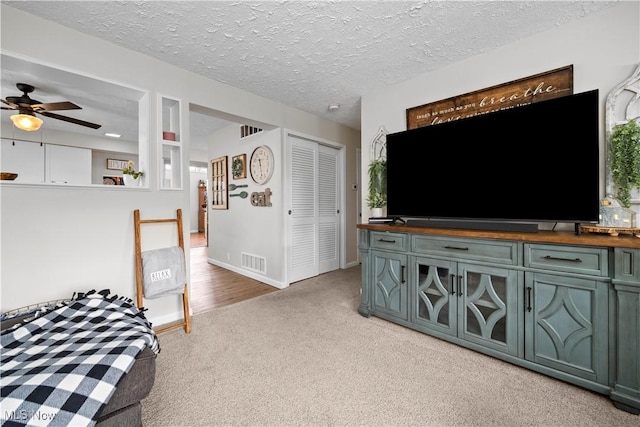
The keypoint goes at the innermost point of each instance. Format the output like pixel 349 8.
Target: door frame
pixel 286 133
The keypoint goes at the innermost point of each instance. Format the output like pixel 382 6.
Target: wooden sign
pixel 115 164
pixel 540 87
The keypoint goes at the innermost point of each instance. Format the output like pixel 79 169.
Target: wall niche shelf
pixel 170 144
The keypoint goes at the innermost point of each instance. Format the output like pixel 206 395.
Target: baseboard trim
pixel 248 273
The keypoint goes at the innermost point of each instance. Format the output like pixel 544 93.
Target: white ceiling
pixel 306 54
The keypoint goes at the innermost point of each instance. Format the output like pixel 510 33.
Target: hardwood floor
pixel 213 286
pixel 198 240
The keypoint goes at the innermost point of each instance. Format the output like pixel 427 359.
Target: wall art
pixel 239 166
pixel 539 87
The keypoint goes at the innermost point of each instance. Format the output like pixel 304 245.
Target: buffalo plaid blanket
pixel 61 368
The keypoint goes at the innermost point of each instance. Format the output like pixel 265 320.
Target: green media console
pixel 558 303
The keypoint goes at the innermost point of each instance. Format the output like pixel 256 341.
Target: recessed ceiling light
pixel 112 135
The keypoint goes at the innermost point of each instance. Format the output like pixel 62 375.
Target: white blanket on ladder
pixel 163 272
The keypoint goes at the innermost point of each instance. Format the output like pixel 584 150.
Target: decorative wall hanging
pixel 262 164
pixel 377 170
pixel 615 214
pixel 379 145
pixel 539 87
pixel 115 164
pixel 219 193
pixel 261 198
pixel 234 186
pixel 239 166
pixel 629 89
pixel 242 195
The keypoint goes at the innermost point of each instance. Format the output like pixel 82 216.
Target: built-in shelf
pixel 170 149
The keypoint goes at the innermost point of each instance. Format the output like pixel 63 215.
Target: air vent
pixel 254 262
pixel 246 130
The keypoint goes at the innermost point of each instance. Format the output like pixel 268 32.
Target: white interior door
pixel 303 209
pixel 314 208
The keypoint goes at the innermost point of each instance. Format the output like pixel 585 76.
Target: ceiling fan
pixel 27 108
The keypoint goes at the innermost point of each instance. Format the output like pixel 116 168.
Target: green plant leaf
pixel 624 159
pixel 377 184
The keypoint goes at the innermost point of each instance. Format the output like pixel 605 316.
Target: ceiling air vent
pixel 246 130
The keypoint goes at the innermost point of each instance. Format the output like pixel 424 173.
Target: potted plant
pixel 130 175
pixel 624 158
pixel 377 186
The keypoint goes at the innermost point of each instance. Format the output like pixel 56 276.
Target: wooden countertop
pixel 562 237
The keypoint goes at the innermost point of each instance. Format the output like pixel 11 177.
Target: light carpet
pixel 303 356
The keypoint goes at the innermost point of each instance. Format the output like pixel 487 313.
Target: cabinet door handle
pixel 455 282
pixel 457 248
pixel 402 273
pixel 386 241
pixel 553 258
pixel 460 285
pixel 529 290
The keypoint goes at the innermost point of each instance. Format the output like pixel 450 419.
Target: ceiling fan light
pixel 26 122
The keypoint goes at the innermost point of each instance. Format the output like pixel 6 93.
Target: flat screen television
pixel 509 169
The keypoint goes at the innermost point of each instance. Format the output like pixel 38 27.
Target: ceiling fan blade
pixel 56 106
pixel 13 106
pixel 70 120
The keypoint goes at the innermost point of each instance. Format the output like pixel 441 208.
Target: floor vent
pixel 254 262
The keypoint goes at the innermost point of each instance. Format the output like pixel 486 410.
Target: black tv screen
pixel 536 163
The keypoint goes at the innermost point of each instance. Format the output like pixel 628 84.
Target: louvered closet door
pixel 328 231
pixel 314 218
pixel 303 212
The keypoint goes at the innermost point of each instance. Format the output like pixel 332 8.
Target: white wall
pixel 244 227
pixel 56 241
pixel 604 49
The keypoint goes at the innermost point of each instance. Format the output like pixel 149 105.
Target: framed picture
pixel 219 193
pixel 239 166
pixel 112 180
pixel 116 164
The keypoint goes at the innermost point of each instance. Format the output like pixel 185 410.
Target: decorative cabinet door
pixel 565 323
pixel 435 303
pixel 389 285
pixel 488 307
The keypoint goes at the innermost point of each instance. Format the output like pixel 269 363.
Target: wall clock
pixel 261 164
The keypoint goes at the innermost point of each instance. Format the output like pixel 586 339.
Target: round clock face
pixel 261 164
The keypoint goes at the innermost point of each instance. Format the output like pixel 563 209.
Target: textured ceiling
pixel 310 54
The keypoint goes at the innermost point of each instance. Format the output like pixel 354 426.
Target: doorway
pixel 198 201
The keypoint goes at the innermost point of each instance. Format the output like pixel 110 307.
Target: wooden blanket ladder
pixel 186 322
